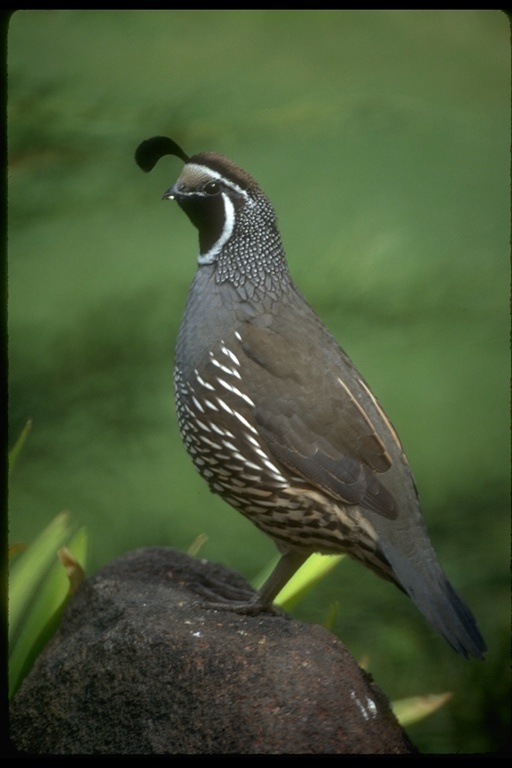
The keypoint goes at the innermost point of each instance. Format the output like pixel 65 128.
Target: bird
pixel 275 416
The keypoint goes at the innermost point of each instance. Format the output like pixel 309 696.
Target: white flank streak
pixel 217 429
pixel 197 404
pixel 210 443
pixel 357 405
pixel 202 382
pixel 237 455
pixel 262 503
pixel 261 453
pixel 235 391
pixel 273 469
pixel 245 422
pixel 383 415
pixel 226 385
pixel 251 465
pixel 244 397
pixel 253 441
pixel 230 446
pixel 229 371
pixel 231 355
pixel 223 405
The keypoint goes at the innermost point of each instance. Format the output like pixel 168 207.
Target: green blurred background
pixel 382 138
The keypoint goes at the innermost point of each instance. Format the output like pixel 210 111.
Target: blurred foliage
pixel 382 139
pixel 416 708
pixel 308 576
pixel 42 577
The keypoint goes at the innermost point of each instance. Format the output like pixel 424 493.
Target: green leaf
pixel 197 545
pixel 29 569
pixel 39 593
pixel 314 570
pixel 18 445
pixel 416 708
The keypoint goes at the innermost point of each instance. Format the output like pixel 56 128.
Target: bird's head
pixel 220 198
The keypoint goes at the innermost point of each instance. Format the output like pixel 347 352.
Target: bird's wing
pixel 315 415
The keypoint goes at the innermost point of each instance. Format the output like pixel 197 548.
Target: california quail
pixel 275 416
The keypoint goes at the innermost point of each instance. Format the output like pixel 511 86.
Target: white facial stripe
pixel 202 172
pixel 229 215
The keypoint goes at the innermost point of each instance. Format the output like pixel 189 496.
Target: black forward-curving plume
pixel 150 151
pixel 274 415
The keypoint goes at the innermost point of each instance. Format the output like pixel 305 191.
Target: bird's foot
pixel 227 597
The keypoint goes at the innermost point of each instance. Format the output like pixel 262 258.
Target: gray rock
pixel 140 666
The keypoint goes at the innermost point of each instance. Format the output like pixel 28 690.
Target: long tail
pixel 444 609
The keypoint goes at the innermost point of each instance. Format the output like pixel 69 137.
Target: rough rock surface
pixel 141 666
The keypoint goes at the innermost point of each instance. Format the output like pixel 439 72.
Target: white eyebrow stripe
pixel 203 169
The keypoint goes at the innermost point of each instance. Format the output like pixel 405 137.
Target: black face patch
pixel 207 215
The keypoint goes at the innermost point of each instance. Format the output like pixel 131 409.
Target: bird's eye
pixel 212 188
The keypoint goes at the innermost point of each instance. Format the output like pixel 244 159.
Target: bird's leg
pixel 288 565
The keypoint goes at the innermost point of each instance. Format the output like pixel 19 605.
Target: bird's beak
pixel 171 193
